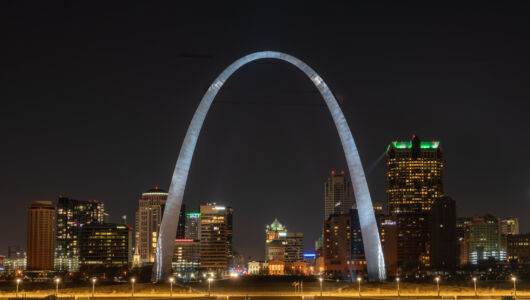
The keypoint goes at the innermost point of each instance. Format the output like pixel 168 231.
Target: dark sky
pixel 96 99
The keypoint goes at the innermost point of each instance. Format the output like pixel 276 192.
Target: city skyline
pixel 111 137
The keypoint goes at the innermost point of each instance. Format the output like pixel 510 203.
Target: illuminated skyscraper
pixel 148 219
pixel 275 241
pixel 509 226
pixel 41 236
pixel 482 239
pixel 414 179
pixel 215 237
pixel 71 216
pixel 193 226
pixel 107 245
pixel 337 194
pixel 294 247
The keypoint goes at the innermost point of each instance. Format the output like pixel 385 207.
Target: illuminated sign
pixel 220 208
pixel 283 233
pixel 310 255
pixel 183 240
pixel 389 223
pixel 194 215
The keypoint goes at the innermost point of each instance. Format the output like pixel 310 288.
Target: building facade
pixel 41 236
pixel 482 239
pixel 72 215
pixel 215 238
pixel 193 226
pixel 414 179
pixel 518 248
pixel 443 247
pixel 148 219
pixel 509 226
pixel 186 255
pixel 107 244
pixel 294 247
pixel 337 194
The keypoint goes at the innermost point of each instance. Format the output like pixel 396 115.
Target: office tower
pixel 482 239
pixel 186 255
pixel 41 236
pixel 509 226
pixel 275 240
pixel 15 262
pixel 193 222
pixel 294 247
pixel 337 194
pixel 518 248
pixel 414 179
pixel 181 227
pixel 343 249
pixel 389 236
pixel 229 231
pixel 443 233
pixel 148 218
pixel 215 237
pixel 106 244
pixel 462 224
pixel 72 215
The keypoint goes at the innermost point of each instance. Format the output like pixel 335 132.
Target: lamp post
pixel 320 279
pixel 359 279
pixel 397 281
pixel 514 287
pixel 132 286
pixel 57 280
pixel 18 283
pixel 209 285
pixel 171 286
pixel 475 285
pixel 438 285
pixel 93 286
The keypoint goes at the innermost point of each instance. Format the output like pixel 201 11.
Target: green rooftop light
pixel 195 215
pixel 408 145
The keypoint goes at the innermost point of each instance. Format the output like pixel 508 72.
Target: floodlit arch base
pixel 164 250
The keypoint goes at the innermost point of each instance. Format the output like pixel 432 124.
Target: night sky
pixel 96 99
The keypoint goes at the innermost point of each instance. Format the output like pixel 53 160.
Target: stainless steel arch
pixel 372 245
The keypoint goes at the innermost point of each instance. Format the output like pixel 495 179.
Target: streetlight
pixel 93 286
pixel 475 285
pixel 132 286
pixel 209 285
pixel 397 281
pixel 18 283
pixel 57 280
pixel 514 287
pixel 320 279
pixel 438 285
pixel 359 279
pixel 171 279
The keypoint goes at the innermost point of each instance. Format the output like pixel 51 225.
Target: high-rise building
pixel 148 219
pixel 343 249
pixel 186 255
pixel 181 227
pixel 414 179
pixel 482 239
pixel 275 241
pixel 193 226
pixel 41 236
pixel 518 247
pixel 462 224
pixel 72 215
pixel 215 237
pixel 337 194
pixel 443 248
pixel 294 247
pixel 106 244
pixel 509 226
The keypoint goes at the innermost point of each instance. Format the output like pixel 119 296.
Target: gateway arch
pixel 164 249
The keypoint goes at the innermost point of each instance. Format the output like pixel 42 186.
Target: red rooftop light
pixel 332 172
pixel 156 187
